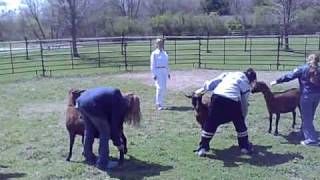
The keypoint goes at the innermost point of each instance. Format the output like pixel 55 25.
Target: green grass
pixel 34 142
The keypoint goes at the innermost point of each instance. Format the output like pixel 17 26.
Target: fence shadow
pixel 5 176
pixel 137 169
pixel 260 157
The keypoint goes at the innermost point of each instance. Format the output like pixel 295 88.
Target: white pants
pixel 161 85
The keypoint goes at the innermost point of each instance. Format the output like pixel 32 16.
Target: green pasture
pixel 34 142
pixel 261 53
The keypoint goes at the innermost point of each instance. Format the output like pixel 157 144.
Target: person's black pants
pixel 223 110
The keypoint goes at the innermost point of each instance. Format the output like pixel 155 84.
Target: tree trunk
pixel 73 15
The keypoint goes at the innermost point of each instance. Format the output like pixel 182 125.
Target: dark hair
pixel 251 74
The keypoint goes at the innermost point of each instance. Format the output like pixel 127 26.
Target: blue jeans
pixel 92 125
pixel 309 103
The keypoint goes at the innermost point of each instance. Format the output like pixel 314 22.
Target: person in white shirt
pixel 160 71
pixel 229 102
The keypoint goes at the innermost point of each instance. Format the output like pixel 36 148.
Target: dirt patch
pixel 186 80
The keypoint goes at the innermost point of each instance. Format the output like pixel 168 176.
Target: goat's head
pixel 259 86
pixel 195 100
pixel 73 95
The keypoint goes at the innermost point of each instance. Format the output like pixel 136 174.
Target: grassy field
pixel 34 142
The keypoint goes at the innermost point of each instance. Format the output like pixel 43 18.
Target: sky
pixel 12 4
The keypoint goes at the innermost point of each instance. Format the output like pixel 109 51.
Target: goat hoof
pixel 68 159
pixel 276 134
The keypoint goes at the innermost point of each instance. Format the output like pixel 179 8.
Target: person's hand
pixel 272 83
pixel 169 76
pixel 154 77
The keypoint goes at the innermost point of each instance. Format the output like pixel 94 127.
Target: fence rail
pixel 267 52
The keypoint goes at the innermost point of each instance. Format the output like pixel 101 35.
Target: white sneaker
pixel 201 152
pixel 309 143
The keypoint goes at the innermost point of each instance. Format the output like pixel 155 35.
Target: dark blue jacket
pixel 302 73
pixel 106 102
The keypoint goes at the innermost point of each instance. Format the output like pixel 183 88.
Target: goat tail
pixel 133 114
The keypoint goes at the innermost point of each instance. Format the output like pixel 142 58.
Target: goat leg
pixel 294 118
pixel 124 142
pixel 72 137
pixel 270 122
pixel 277 123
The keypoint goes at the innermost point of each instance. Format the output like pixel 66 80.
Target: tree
pixel 242 9
pixel 33 10
pixel 72 9
pixel 221 7
pixel 129 8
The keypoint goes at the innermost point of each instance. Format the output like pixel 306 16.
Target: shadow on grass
pixel 260 157
pixel 3 166
pixel 293 137
pixel 137 169
pixel 5 176
pixel 179 108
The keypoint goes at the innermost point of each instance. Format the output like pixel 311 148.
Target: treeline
pixel 52 19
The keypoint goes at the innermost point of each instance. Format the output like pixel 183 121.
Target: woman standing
pixel 160 71
pixel 309 82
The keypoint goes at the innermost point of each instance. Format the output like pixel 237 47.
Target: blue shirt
pixel 302 73
pixel 106 102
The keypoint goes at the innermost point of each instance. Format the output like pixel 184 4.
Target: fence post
pixel 150 45
pixel 245 40
pixel 250 49
pixel 125 56
pixel 99 56
pixel 224 50
pixel 208 34
pixel 71 56
pixel 27 51
pixel 319 43
pixel 175 51
pixel 11 58
pixel 42 61
pixel 278 52
pixel 305 47
pixel 199 62
pixel 122 40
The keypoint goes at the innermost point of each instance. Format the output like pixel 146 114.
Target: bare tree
pixel 33 7
pixel 242 9
pixel 72 9
pixel 286 10
pixel 128 8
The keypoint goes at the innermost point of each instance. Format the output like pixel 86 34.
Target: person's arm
pixel 210 85
pixel 153 66
pixel 289 76
pixel 245 90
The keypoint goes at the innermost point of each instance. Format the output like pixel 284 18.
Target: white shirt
pixel 159 60
pixel 233 85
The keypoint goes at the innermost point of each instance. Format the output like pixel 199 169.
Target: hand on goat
pixel 272 83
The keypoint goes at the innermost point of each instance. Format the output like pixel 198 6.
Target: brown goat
pixel 75 125
pixel 279 102
pixel 201 109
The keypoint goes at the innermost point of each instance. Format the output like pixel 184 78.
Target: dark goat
pixel 279 102
pixel 75 125
pixel 200 108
